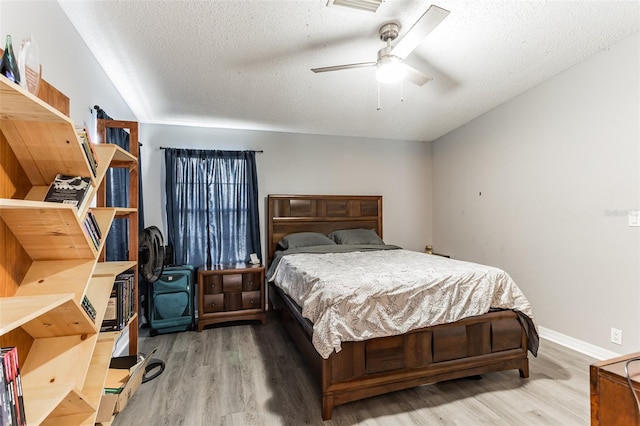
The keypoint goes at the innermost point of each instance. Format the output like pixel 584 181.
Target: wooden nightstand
pixel 230 292
pixel 612 401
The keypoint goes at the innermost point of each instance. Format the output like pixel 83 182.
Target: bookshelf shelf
pixel 53 373
pixel 42 138
pixel 51 277
pixel 50 265
pixel 45 400
pixel 123 212
pixel 47 231
pixel 112 269
pixel 94 383
pixel 28 311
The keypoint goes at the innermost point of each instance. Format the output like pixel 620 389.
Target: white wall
pixel 66 61
pixel 400 171
pixel 557 169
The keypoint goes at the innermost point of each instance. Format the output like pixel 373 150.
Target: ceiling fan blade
pixel 416 77
pixel 344 67
pixel 427 22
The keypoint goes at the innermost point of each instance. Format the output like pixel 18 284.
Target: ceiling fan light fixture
pixel 366 5
pixel 390 70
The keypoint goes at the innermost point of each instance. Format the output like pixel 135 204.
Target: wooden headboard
pixel 287 214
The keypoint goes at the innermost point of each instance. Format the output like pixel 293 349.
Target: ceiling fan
pixel 390 67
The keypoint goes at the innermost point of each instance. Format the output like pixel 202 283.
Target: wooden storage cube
pixel 232 283
pixel 213 303
pixel 251 300
pixel 212 284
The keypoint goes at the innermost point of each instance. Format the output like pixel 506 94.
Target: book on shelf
pixel 5 402
pixel 88 308
pixel 92 229
pixel 94 224
pixel 87 147
pixel 121 304
pixel 69 190
pixel 94 242
pixel 12 411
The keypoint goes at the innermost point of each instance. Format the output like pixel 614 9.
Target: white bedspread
pixel 361 295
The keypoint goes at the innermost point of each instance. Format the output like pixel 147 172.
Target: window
pixel 212 205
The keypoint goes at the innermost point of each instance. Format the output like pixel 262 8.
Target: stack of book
pixel 87 147
pixel 121 305
pixel 92 229
pixel 11 400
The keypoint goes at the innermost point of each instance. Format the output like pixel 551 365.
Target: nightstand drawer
pixel 213 303
pixel 232 283
pixel 212 284
pixel 251 300
pixel 232 301
pixel 251 282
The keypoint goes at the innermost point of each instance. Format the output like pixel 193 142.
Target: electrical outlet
pixel 616 336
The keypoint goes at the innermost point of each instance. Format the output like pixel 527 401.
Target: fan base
pixel 389 32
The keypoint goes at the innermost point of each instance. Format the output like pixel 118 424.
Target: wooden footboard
pixel 491 342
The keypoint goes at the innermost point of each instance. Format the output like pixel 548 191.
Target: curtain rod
pixel 258 152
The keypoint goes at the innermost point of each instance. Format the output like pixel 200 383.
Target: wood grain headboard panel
pixel 287 214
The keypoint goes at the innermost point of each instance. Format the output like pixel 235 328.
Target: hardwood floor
pixel 250 374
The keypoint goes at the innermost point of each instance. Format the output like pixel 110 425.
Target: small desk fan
pixel 151 254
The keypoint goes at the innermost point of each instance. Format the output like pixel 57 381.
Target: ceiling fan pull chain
pixel 379 107
pixel 401 90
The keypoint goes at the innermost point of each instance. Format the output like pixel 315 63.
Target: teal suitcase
pixel 170 300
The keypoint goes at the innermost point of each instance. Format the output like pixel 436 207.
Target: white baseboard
pixel 577 345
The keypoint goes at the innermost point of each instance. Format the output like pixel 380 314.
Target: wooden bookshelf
pixel 122 159
pixel 49 262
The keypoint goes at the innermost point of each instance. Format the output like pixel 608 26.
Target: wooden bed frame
pixel 495 341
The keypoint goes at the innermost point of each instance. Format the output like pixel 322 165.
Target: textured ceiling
pixel 246 64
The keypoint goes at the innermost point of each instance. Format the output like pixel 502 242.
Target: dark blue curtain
pixel 212 206
pixel 117 186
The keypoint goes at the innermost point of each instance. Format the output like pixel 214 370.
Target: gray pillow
pixel 304 239
pixel 356 236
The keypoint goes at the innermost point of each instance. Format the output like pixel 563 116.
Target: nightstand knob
pixel 213 305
